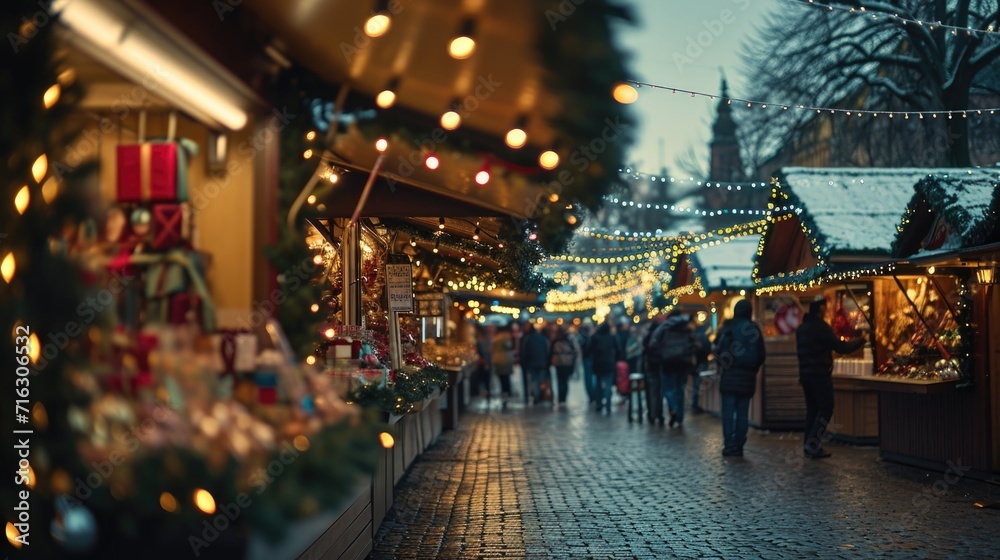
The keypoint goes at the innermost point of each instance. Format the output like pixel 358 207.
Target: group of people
pixel 669 351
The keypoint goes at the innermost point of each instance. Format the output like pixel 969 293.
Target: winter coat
pixel 535 351
pixel 740 341
pixel 676 326
pixel 605 351
pixel 503 354
pixel 815 343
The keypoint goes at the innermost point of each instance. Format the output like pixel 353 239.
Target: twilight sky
pixel 683 43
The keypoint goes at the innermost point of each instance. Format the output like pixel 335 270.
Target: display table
pixel 855 410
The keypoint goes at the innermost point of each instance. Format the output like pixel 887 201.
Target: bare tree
pixel 873 58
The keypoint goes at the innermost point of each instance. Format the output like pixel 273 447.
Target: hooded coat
pixel 739 352
pixel 675 326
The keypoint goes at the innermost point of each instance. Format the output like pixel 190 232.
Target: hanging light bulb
pixel 463 45
pixel 387 97
pixel 432 161
pixel 483 175
pixel 625 93
pixel 51 96
pixel 437 245
pixel 441 223
pixel 451 120
pixel 22 199
pixel 7 268
pixel 517 137
pixel 548 160
pixel 378 22
pixel 381 144
pixel 413 242
pixel 40 168
pixel 475 235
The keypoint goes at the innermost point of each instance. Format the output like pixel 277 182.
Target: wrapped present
pixel 169 225
pixel 154 171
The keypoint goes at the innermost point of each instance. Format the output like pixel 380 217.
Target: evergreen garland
pixel 411 386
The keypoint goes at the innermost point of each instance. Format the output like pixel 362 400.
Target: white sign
pixel 399 286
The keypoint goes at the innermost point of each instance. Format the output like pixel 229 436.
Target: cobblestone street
pixel 543 483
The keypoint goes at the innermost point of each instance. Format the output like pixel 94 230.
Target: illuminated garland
pixel 411 386
pixel 691 180
pixel 677 208
pixel 863 11
pixel 751 104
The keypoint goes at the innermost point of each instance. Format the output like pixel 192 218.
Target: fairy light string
pixel 877 14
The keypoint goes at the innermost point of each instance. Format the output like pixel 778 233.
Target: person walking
pixel 633 348
pixel 535 360
pixel 589 380
pixel 564 359
pixel 676 344
pixel 739 353
pixel 701 359
pixel 651 371
pixel 484 362
pixel 815 343
pixel 605 352
pixel 503 363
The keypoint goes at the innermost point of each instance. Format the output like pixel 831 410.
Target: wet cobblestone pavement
pixel 544 483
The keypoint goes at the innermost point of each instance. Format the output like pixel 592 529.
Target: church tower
pixel 725 149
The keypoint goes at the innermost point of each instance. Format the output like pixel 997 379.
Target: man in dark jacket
pixel 677 345
pixel 815 342
pixel 535 359
pixel 605 353
pixel 739 352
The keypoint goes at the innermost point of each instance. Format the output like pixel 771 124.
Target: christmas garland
pixel 410 386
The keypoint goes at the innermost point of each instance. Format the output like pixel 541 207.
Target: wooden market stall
pixel 829 228
pixel 937 412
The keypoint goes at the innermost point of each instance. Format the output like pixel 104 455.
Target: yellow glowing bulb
pixel 311 199
pixel 625 93
pixel 931 270
pixel 450 120
pixel 7 268
pixel 311 135
pixel 548 159
pixel 50 189
pixel 381 144
pixel 22 199
pixel 314 307
pixel 307 154
pixel 329 333
pixel 311 360
pixel 377 25
pixel 461 47
pixel 318 259
pixel 40 168
pixel 204 501
pixel 34 348
pixel 554 197
pixel 516 138
pixel 51 96
pixel 301 443
pixel 385 99
pixel 483 177
pixel 12 535
pixel 386 439
pixel 168 502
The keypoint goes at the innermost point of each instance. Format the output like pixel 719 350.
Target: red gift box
pixel 168 226
pixel 148 171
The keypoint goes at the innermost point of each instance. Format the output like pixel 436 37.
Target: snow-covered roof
pixel 968 200
pixel 850 210
pixel 727 265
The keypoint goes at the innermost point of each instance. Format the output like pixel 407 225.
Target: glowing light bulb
pixel 483 177
pixel 381 144
pixel 386 439
pixel 311 360
pixel 204 501
pixel 625 93
pixel 377 25
pixel 548 160
pixel 7 268
pixel 386 98
pixel 516 138
pixel 168 502
pixel 432 161
pixel 461 47
pixel 51 96
pixel 40 168
pixel 451 120
pixel 329 333
pixel 22 199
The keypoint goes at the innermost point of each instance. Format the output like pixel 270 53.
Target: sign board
pixel 941 236
pixel 399 287
pixel 431 305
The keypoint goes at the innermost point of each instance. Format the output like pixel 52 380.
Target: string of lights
pixel 757 104
pixel 875 15
pixel 681 209
pixel 692 181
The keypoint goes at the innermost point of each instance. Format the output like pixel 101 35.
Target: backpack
pixel 563 353
pixel 676 346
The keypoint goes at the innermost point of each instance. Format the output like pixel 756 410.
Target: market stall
pixel 830 229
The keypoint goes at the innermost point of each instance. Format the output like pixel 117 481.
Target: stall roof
pixel 947 212
pixel 831 218
pixel 727 265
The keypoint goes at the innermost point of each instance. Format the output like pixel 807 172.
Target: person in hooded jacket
pixel 739 352
pixel 675 332
pixel 815 343
pixel 605 352
pixel 651 370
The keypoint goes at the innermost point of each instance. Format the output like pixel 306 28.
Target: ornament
pixel 74 527
pixel 141 221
